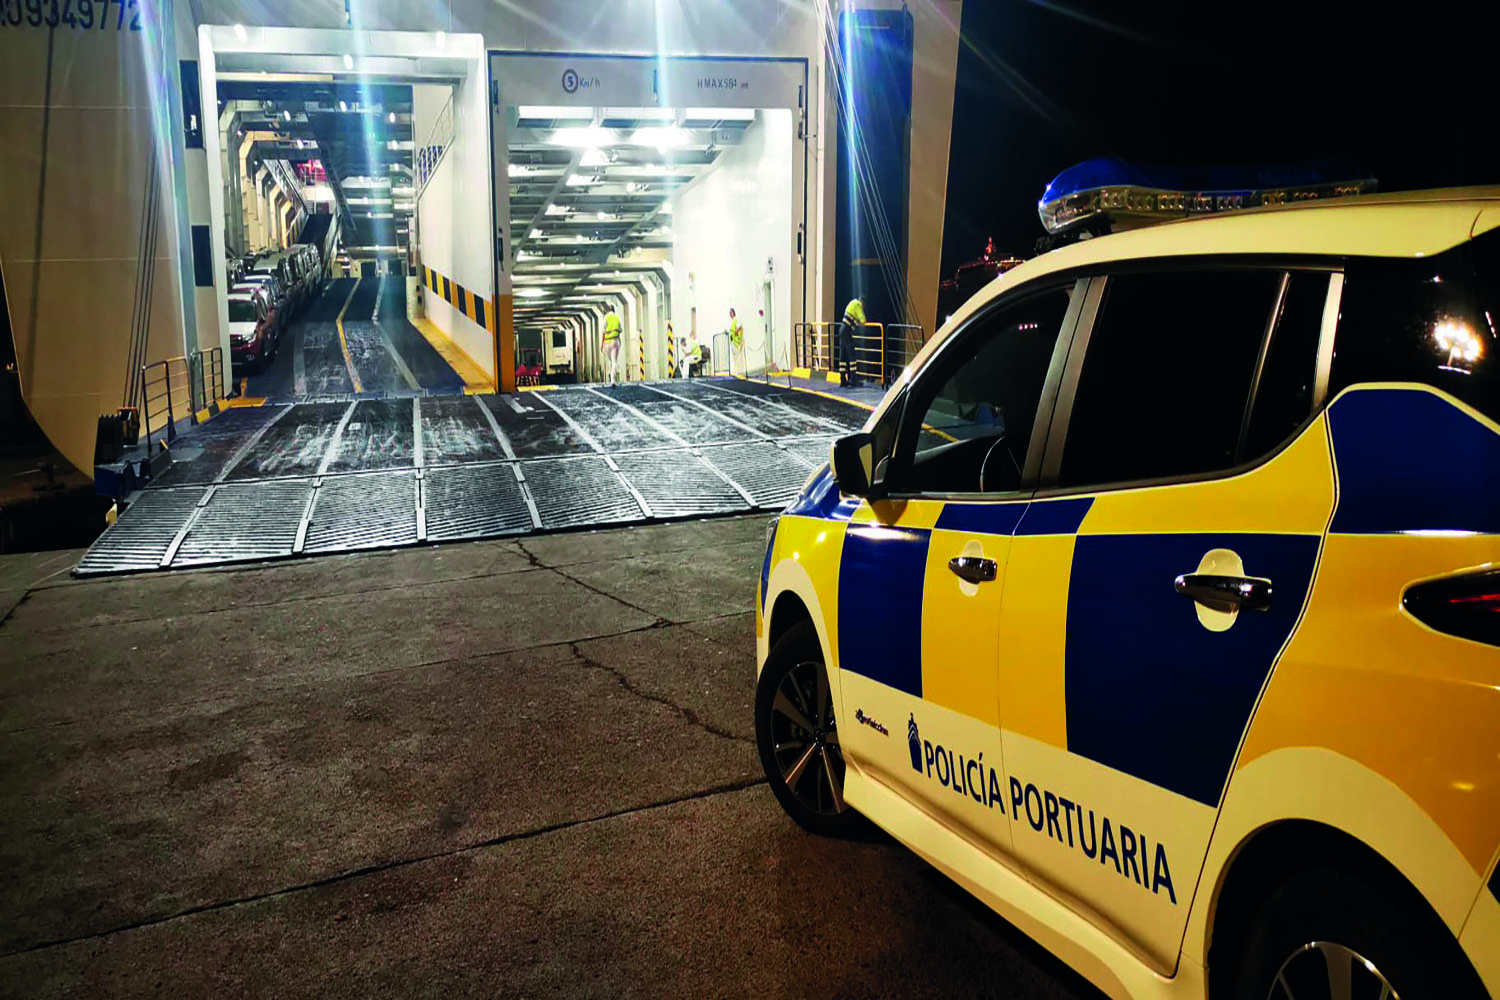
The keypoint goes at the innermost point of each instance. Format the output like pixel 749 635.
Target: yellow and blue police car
pixel 1158 603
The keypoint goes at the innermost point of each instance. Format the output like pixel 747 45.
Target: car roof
pixel 1401 224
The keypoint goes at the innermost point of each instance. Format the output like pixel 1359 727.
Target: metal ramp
pixel 485 467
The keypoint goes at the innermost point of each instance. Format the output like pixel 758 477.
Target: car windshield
pixel 241 311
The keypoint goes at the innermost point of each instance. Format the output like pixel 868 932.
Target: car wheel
pixel 798 736
pixel 1329 934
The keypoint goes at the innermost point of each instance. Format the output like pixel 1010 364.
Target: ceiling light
pixel 442 39
pixel 633 187
pixel 720 114
pixel 240 33
pixel 286 115
pixel 660 138
pixel 391 117
pixel 666 208
pixel 517 169
pixel 532 293
pixel 343 105
pixel 603 216
pixel 348 61
pixel 583 138
pixel 536 234
pixel 581 180
pixel 558 210
pixel 593 157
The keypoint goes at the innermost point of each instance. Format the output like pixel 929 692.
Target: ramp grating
pixel 474 501
pixel 572 492
pixel 246 521
pixel 144 532
pixel 678 484
pixel 368 511
pixel 771 476
pixel 813 451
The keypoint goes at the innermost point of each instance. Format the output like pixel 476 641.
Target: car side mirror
pixel 854 466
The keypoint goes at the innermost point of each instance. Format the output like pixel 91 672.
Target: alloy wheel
pixel 1322 970
pixel 806 740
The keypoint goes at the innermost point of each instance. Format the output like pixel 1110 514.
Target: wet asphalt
pixel 511 768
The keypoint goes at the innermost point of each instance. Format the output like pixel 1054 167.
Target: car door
pixel 921 570
pixel 1155 578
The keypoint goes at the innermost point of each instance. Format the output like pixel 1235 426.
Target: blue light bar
pixel 1126 196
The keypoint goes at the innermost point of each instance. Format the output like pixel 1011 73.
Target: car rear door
pixel 1156 577
pixel 921 571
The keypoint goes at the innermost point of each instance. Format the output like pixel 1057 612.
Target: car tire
pixel 1327 926
pixel 798 737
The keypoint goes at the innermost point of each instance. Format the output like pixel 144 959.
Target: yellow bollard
pixel 671 352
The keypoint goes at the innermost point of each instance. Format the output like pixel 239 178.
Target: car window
pixel 1431 321
pixel 1288 378
pixel 1164 385
pixel 242 311
pixel 967 422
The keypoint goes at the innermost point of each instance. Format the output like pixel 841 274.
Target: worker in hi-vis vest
pixel 697 356
pixel 612 343
pixel 736 343
pixel 854 319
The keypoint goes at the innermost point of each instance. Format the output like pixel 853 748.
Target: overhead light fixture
pixel 666 208
pixel 348 61
pixel 593 157
pixel 603 216
pixel 517 169
pixel 442 39
pixel 553 112
pixel 558 210
pixel 343 105
pixel 581 180
pixel 286 115
pixel 583 138
pixel 532 293
pixel 535 234
pixel 391 117
pixel 241 33
pixel 660 138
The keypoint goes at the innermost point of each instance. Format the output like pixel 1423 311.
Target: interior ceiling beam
pixel 541 212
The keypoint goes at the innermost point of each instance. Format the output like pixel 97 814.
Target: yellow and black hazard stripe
pixel 460 298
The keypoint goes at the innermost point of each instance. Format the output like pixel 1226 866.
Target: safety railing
pixel 208 378
pixel 720 354
pixel 869 352
pixel 166 397
pixel 904 340
pixel 813 345
pixel 430 153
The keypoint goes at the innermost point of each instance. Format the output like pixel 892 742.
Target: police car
pixel 1158 603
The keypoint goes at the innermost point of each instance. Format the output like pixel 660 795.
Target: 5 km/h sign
pixel 645 81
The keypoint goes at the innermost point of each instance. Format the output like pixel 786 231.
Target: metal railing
pixel 813 345
pixel 208 378
pixel 904 341
pixel 430 153
pixel 720 356
pixel 166 397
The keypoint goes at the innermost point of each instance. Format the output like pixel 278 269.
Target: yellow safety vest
pixel 736 332
pixel 612 327
pixel 854 312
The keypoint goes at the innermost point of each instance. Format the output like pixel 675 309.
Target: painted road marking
pixel 344 343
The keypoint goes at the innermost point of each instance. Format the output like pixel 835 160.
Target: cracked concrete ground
pixel 496 769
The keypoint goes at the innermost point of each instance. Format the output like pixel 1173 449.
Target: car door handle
pixel 1226 593
pixel 975 569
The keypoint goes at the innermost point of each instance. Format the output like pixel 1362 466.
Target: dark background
pixel 1410 90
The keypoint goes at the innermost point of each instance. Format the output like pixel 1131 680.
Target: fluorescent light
pixel 581 180
pixel 442 39
pixel 286 115
pixel 536 234
pixel 348 61
pixel 343 105
pixel 720 114
pixel 593 157
pixel 583 138
pixel 666 208
pixel 603 216
pixel 391 117
pixel 517 169
pixel 240 33
pixel 554 111
pixel 558 210
pixel 532 293
pixel 670 137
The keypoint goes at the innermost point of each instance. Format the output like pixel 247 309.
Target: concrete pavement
pixel 494 769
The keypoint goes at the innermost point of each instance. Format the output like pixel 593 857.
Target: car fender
pixel 1319 785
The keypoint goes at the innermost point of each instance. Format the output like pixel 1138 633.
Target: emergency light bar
pixel 1108 190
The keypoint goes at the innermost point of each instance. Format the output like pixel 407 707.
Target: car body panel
pixel 1113 699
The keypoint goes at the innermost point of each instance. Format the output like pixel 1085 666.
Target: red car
pixel 252 330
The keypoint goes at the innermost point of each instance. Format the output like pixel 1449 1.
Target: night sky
pixel 1412 91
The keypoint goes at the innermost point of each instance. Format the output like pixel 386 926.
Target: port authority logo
pixel 1098 838
pixel 865 720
